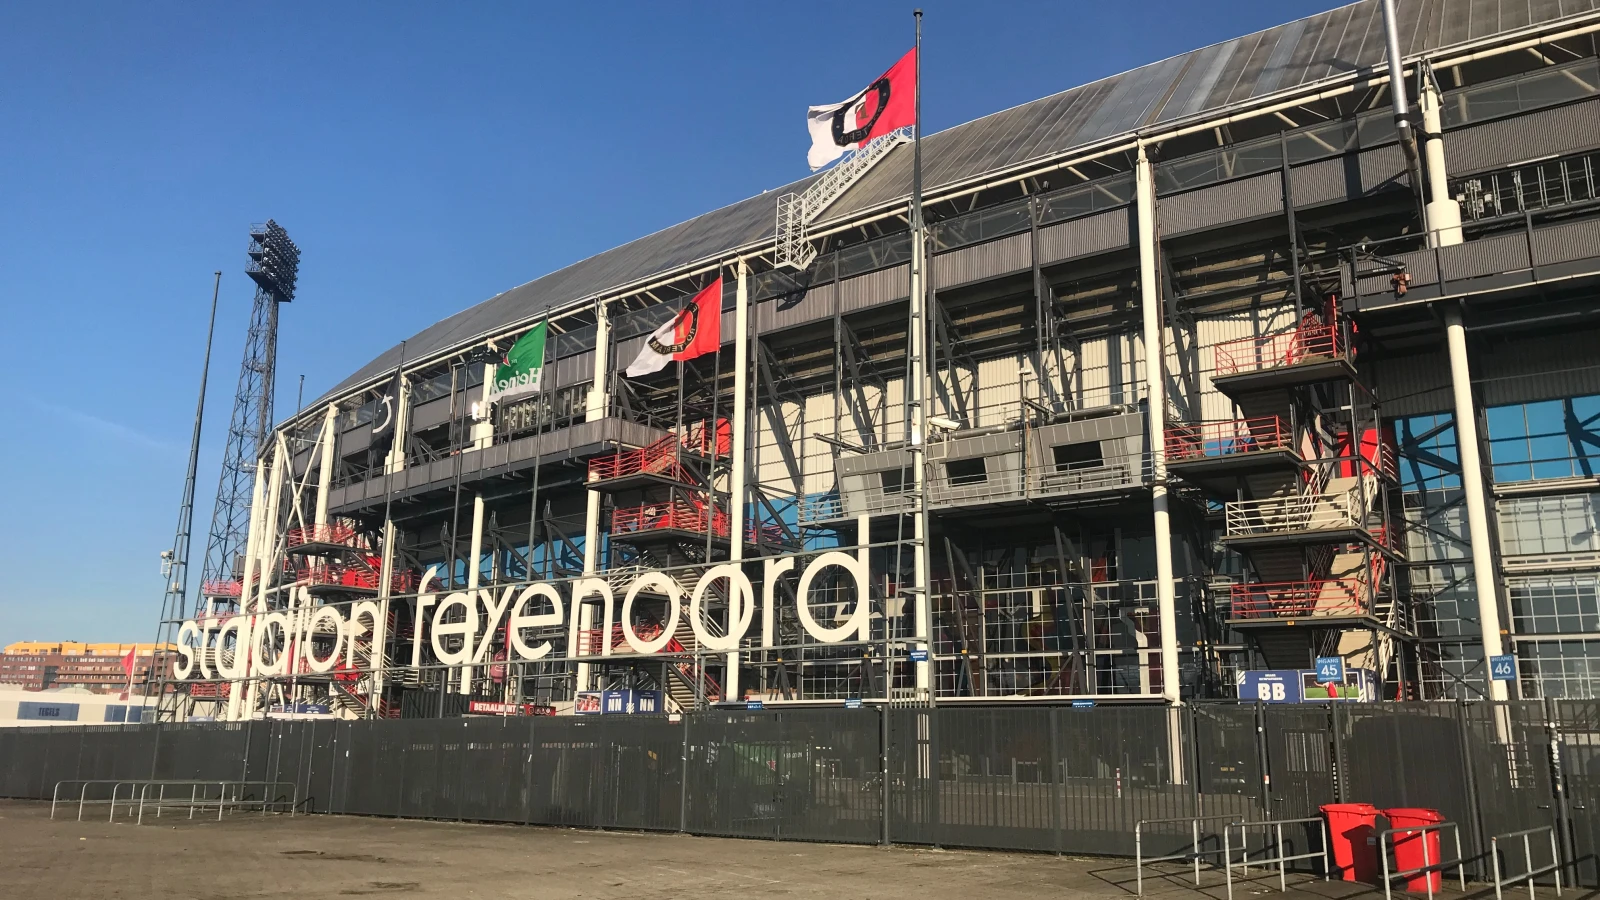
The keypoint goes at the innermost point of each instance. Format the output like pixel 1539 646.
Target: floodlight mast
pixel 274 267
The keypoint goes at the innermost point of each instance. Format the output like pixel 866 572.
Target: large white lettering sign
pixel 459 627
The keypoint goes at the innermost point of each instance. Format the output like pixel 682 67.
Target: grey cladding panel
pixel 1382 168
pixel 1560 243
pixel 874 288
pixel 1326 181
pixel 983 261
pixel 1086 236
pixel 427 415
pixel 1233 201
pixel 355 440
pixel 975 447
pixel 574 370
pixel 880 461
pixel 1549 132
pixel 1104 428
pixel 815 304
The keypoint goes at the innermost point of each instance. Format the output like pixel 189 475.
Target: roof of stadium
pixel 1197 84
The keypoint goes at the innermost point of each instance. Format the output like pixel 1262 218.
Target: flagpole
pixel 923 629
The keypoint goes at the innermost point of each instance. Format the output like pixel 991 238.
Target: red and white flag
pixel 127 663
pixel 695 331
pixel 890 102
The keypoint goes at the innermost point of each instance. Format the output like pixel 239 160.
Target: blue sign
pixel 1271 686
pixel 630 702
pixel 1082 704
pixel 752 704
pixel 1330 670
pixel 49 712
pixel 1503 668
pixel 919 656
pixel 853 703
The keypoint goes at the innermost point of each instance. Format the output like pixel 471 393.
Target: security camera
pixel 943 423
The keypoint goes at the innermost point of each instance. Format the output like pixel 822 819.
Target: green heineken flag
pixel 519 375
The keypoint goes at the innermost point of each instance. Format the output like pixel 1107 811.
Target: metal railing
pixel 1282 859
pixel 1054 481
pixel 1501 880
pixel 332 533
pixel 1194 855
pixel 678 515
pixel 1310 340
pixel 1209 440
pixel 1420 833
pixel 1301 512
pixel 354 577
pixel 1298 599
pixel 199 795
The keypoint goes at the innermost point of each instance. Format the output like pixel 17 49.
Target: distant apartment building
pixel 43 665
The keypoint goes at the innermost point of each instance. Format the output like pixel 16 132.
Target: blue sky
pixel 424 157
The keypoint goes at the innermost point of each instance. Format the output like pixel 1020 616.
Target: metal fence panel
pixel 1298 743
pixel 1578 745
pixel 735 786
pixel 493 758
pixel 373 767
pixel 830 776
pixel 644 773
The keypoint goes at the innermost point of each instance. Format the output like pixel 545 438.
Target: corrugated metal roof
pixel 1294 55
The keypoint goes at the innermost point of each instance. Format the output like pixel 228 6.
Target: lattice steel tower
pixel 274 265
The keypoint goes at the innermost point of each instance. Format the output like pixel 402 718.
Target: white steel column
pixel 396 460
pixel 482 425
pixel 379 657
pixel 252 539
pixel 1472 486
pixel 474 567
pixel 1444 214
pixel 325 469
pixel 741 454
pixel 1156 399
pixel 598 403
pixel 917 387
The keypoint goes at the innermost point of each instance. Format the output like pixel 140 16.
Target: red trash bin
pixel 1408 848
pixel 1353 840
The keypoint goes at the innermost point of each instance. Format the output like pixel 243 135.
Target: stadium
pixel 945 465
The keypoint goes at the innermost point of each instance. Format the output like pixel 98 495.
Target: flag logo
pixel 695 331
pixel 520 372
pixel 684 327
pixel 887 104
pixel 879 95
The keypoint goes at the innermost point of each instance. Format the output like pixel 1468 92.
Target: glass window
pixel 1546 439
pixel 1520 93
pixel 1564 669
pixel 1543 526
pixel 1560 604
pixel 983 225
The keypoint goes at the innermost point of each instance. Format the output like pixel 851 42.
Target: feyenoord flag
pixel 888 103
pixel 524 363
pixel 695 331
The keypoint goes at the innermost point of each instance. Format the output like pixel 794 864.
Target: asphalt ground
pixel 247 855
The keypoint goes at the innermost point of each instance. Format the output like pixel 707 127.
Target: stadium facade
pixel 943 466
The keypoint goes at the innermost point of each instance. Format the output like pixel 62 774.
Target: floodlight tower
pixel 274 266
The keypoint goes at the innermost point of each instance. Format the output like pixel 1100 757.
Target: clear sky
pixel 424 157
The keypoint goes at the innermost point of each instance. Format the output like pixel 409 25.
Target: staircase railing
pixel 1303 512
pixel 1310 339
pixel 1299 599
pixel 1201 440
